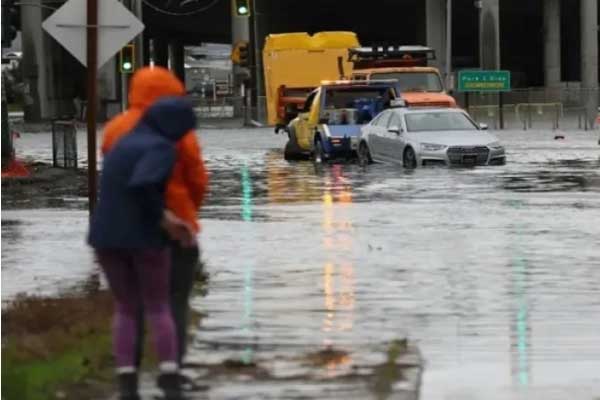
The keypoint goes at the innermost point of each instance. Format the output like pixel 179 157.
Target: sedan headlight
pixel 432 146
pixel 496 146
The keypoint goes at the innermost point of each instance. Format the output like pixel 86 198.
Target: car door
pixel 377 132
pixel 395 137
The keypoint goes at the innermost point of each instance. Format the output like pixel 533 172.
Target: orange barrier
pixel 15 169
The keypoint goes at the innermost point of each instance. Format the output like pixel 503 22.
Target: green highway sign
pixel 483 81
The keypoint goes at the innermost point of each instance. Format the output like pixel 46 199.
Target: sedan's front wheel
pixel 364 155
pixel 410 158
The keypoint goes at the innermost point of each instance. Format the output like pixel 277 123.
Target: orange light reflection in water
pixel 338 270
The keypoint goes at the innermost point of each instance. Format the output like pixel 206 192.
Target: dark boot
pixel 128 386
pixel 171 386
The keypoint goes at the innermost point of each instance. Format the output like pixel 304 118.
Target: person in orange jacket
pixel 185 189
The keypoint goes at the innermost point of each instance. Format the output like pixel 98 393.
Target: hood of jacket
pixel 150 83
pixel 170 117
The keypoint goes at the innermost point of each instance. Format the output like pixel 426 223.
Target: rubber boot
pixel 128 386
pixel 170 383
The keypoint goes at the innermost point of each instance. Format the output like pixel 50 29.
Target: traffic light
pixel 11 22
pixel 242 8
pixel 127 59
pixel 244 54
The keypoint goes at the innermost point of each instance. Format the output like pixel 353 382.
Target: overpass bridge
pixel 543 42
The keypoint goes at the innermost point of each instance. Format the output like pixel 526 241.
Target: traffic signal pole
pixel 259 86
pixel 124 80
pixel 92 67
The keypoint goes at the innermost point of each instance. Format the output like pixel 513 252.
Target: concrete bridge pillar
pixel 552 52
pixel 435 11
pixel 53 78
pixel 161 52
pixel 35 63
pixel 589 56
pixel 177 55
pixel 489 35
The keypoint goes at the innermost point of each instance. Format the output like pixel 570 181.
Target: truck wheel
pixel 364 155
pixel 319 154
pixel 292 151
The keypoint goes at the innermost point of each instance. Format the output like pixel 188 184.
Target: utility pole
pixel 92 67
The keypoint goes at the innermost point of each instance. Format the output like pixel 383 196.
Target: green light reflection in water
pixel 246 211
pixel 522 315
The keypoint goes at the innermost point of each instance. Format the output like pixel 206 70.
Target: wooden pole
pixel 92 67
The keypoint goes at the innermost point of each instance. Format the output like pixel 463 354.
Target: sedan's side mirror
pixel 483 126
pixel 394 129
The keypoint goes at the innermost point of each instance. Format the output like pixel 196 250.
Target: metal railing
pixel 64 144
pixel 535 108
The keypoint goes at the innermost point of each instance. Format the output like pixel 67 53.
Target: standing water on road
pixel 493 272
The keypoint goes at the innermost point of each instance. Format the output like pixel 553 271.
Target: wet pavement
pixel 493 272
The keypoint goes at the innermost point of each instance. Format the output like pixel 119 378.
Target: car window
pixel 438 121
pixel 394 121
pixel 374 121
pixel 383 119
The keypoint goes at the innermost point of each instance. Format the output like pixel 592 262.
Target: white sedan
pixel 428 136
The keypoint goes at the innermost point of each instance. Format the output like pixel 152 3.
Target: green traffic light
pixel 127 66
pixel 242 10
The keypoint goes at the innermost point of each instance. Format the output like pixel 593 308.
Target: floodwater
pixel 492 272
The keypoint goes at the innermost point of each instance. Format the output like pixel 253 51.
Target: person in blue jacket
pixel 129 232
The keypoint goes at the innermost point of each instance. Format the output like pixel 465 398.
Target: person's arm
pixel 148 180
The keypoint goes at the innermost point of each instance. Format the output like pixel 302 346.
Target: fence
pixel 64 144
pixel 230 107
pixel 535 108
pixel 220 107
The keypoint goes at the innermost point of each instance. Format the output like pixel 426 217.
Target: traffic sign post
pixel 109 26
pixel 485 81
pixel 92 61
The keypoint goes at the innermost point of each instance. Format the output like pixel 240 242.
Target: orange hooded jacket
pixel 189 180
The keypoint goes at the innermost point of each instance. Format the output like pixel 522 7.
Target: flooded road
pixel 493 272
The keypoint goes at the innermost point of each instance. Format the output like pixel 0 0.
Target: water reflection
pixel 291 183
pixel 338 269
pixel 520 333
pixel 246 212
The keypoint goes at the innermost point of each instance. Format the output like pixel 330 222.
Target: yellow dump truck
pixel 296 63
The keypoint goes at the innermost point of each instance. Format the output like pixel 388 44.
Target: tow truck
pixel 296 63
pixel 421 85
pixel 329 125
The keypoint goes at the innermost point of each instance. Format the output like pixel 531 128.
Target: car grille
pixel 465 155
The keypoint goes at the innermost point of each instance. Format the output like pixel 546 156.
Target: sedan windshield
pixel 413 81
pixel 438 121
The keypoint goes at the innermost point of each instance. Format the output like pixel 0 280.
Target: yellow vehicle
pixel 421 85
pixel 296 63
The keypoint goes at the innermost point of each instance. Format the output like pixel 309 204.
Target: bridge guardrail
pixel 546 108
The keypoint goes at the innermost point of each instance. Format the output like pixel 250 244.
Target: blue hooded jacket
pixel 134 176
